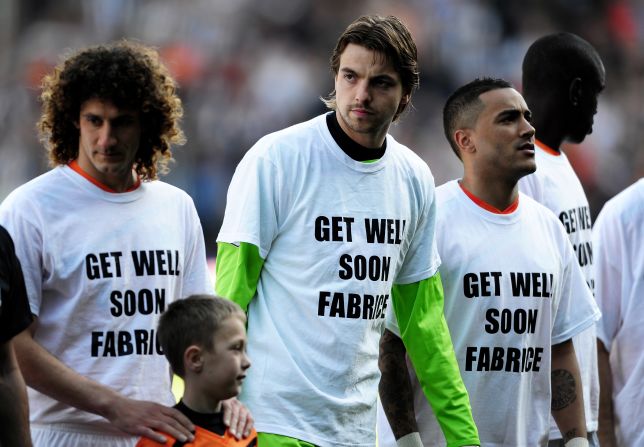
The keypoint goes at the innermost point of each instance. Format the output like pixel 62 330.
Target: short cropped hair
pixel 463 107
pixel 385 35
pixel 193 321
pixel 553 61
pixel 130 76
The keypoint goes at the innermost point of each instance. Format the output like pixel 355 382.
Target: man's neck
pixel 497 194
pixel 348 145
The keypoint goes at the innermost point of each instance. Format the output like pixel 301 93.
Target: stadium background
pixel 247 68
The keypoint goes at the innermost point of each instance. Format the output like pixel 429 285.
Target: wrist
pixel 577 442
pixel 410 440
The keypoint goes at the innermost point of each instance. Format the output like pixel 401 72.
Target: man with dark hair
pixel 562 78
pixel 514 293
pixel 14 318
pixel 325 222
pixel 105 247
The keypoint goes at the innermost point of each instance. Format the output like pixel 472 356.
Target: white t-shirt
pixel 512 289
pixel 335 234
pixel 618 239
pixel 99 269
pixel 556 186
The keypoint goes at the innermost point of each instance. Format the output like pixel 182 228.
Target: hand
pixel 237 418
pixel 142 418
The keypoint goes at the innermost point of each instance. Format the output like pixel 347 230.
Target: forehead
pixel 104 107
pixel 232 327
pixel 501 99
pixel 358 58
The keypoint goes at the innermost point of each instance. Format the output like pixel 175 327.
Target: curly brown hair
pixel 130 76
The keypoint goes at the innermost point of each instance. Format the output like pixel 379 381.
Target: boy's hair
pixel 553 61
pixel 464 106
pixel 193 321
pixel 130 76
pixel 385 35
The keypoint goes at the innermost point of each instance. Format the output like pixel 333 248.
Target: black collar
pixel 354 150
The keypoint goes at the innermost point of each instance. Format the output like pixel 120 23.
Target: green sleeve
pixel 424 331
pixel 237 272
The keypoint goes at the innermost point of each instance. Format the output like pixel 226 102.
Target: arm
pixel 14 410
pixel 237 272
pixel 47 374
pixel 419 312
pixel 395 388
pixel 567 405
pixel 606 430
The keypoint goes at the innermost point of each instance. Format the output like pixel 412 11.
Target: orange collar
pixel 76 167
pixel 486 206
pixel 547 149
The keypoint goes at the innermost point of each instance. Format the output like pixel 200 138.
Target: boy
pixel 204 339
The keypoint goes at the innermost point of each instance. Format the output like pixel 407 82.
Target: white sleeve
pixel 608 276
pixel 422 259
pixel 21 223
pixel 196 278
pixel 252 202
pixel 576 309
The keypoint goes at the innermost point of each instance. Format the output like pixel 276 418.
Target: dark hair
pixel 553 61
pixel 130 76
pixel 464 106
pixel 193 321
pixel 385 35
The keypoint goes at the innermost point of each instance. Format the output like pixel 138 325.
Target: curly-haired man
pixel 105 248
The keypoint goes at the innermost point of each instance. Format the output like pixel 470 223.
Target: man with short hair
pixel 328 225
pixel 514 293
pixel 105 247
pixel 563 76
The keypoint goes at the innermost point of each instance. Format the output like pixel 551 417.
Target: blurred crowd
pixel 246 68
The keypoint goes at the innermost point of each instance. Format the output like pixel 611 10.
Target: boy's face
pixel 224 368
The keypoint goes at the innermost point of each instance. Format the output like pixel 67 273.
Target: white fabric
pixel 96 313
pixel 482 252
pixel 577 442
pixel 75 436
pixel 315 374
pixel 619 260
pixel 556 186
pixel 410 440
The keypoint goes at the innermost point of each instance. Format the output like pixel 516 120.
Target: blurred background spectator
pixel 247 68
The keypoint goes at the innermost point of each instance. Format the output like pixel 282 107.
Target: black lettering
pixel 512 360
pixel 125 343
pixel 337 305
pixel 353 309
pixel 161 261
pixel 470 357
pixel 470 285
pixel 323 302
pixel 375 230
pixel 322 229
pixel 492 326
pixel 345 263
pixel 143 262
pixel 93 270
pixel 520 283
pixel 367 309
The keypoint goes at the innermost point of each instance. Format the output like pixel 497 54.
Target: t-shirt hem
pixel 233 238
pixel 410 279
pixel 567 335
pixel 85 429
pixel 303 436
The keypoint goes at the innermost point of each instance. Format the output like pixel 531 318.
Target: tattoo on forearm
pixel 563 389
pixel 395 388
pixel 569 435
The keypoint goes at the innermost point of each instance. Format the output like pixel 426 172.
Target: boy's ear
pixel 575 91
pixel 193 358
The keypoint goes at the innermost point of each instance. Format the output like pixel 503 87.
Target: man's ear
pixel 193 358
pixel 575 91
pixel 464 140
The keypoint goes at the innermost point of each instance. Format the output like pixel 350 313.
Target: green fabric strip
pixel 419 311
pixel 273 440
pixel 237 272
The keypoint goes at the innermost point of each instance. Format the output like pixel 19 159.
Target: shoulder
pixel 288 141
